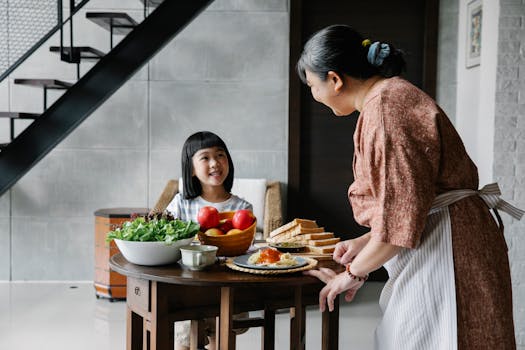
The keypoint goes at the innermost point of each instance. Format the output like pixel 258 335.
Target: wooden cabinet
pixel 109 284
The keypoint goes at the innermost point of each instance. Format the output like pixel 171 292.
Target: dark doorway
pixel 321 145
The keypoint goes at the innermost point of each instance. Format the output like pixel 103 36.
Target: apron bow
pixel 489 193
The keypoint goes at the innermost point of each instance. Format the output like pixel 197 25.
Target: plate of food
pixel 289 247
pixel 270 259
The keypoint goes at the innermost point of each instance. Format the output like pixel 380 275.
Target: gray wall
pixel 509 142
pixel 447 56
pixel 226 72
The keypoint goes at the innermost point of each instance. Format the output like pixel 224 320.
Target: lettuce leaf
pixel 154 228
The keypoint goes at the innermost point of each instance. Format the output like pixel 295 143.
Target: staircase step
pixel 47 83
pixel 19 115
pixel 153 3
pixel 79 53
pixel 122 22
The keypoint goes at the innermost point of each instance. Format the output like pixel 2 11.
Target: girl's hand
pixel 346 251
pixel 335 284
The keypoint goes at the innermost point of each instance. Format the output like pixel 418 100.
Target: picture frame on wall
pixel 474 21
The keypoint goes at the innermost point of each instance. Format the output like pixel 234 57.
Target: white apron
pixel 419 298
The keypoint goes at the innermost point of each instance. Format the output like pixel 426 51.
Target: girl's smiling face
pixel 210 166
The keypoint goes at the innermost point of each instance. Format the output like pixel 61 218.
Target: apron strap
pixel 489 193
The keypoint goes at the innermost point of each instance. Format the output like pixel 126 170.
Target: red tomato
pixel 269 256
pixel 226 225
pixel 242 219
pixel 208 217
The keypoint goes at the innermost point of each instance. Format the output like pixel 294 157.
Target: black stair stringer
pixel 95 87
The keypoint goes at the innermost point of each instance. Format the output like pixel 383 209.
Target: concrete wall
pixel 476 90
pixel 509 142
pixel 447 53
pixel 226 72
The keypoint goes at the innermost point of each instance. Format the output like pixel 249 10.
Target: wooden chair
pixel 267 204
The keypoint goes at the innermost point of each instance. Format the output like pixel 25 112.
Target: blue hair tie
pixel 377 52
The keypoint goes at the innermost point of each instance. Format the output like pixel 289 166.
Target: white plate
pixel 242 261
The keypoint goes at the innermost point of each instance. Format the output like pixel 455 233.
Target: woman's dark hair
pixel 341 49
pixel 194 143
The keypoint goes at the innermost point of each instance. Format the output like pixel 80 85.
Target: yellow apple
pixel 214 232
pixel 234 231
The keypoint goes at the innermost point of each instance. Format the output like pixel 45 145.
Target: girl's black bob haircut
pixel 194 143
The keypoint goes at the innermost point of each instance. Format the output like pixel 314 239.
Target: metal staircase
pixel 116 23
pixel 111 71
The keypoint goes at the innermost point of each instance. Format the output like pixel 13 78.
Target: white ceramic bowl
pixel 151 253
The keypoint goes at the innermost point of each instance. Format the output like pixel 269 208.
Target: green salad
pixel 161 227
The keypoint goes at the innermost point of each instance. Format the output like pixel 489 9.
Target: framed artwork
pixel 474 16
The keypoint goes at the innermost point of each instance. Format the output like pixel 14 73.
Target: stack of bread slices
pixel 305 231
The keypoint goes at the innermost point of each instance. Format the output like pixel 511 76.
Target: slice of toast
pixel 325 249
pixel 295 222
pixel 300 230
pixel 323 242
pixel 294 234
pixel 308 236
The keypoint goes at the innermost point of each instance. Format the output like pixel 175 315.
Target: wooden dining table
pixel 157 296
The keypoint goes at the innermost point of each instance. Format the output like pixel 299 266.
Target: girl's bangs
pixel 205 142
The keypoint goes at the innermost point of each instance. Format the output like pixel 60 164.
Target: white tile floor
pixel 62 316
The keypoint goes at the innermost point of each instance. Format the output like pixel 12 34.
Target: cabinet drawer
pixel 138 294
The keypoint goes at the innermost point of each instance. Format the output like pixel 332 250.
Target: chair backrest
pixel 265 197
pixel 251 190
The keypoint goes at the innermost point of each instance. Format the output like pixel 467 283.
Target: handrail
pixel 45 37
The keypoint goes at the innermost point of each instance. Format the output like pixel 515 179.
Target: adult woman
pixel 415 187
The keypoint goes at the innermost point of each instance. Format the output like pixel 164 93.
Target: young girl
pixel 207 174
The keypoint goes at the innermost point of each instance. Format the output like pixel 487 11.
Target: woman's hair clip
pixel 366 42
pixel 377 52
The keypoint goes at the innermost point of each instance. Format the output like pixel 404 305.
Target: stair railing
pixel 5 60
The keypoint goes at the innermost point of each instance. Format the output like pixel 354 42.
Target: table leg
pixel 194 334
pixel 297 320
pixel 268 331
pixel 330 336
pixel 146 332
pixel 226 339
pixel 134 330
pixel 161 331
pixel 217 332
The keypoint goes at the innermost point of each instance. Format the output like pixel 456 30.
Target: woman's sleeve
pixel 402 161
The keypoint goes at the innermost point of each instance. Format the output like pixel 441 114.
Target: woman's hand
pixel 346 251
pixel 335 284
pixel 371 255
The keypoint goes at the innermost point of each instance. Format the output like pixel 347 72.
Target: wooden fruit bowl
pixel 232 244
